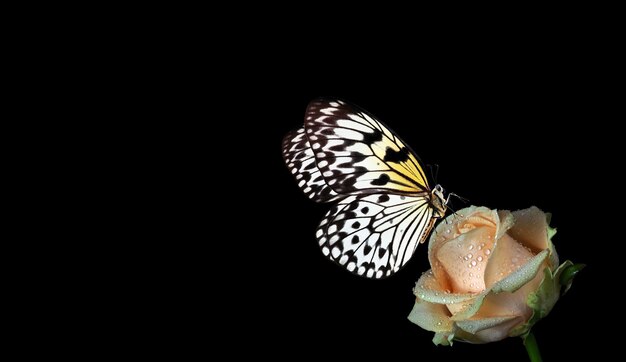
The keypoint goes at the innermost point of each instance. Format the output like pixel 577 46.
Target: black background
pixel 502 141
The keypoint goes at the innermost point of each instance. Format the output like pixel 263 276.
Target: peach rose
pixel 494 274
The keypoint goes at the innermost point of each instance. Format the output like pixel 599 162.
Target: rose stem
pixel 531 347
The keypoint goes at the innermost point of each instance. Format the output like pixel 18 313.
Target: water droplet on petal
pixel 471 247
pixel 469 256
pixel 480 258
pixel 473 263
pixel 465 258
pixel 438 323
pixel 471 274
pixel 487 252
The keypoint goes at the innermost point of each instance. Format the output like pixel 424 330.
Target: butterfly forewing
pixel 356 153
pixel 299 158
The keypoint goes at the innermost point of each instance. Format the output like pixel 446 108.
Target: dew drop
pixel 469 265
pixel 471 247
pixel 487 252
pixel 422 286
pixel 436 294
pixel 471 285
pixel 438 323
pixel 444 300
pixel 465 258
pixel 469 256
pixel 473 263
pixel 480 258
pixel 422 296
pixel 471 274
pixel 447 231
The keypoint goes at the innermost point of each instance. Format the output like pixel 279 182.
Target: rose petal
pixel 450 228
pixel 507 256
pixel 443 338
pixel 511 283
pixel 476 325
pixel 507 304
pixel 431 316
pixel 429 289
pixel 506 222
pixel 496 333
pixel 471 307
pixel 521 276
pixel 531 229
pixel 464 260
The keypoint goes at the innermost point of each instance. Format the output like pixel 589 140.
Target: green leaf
pixel 567 275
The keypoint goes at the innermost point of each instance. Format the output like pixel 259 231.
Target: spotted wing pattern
pixel 299 158
pixel 375 235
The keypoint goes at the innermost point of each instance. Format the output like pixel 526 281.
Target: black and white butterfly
pixel 384 206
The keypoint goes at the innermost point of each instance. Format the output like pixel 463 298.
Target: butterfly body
pixel 384 206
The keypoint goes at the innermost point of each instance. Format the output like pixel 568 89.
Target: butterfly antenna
pixel 432 175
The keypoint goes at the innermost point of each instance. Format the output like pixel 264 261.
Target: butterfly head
pixel 438 202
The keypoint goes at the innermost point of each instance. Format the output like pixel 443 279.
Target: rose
pixel 494 274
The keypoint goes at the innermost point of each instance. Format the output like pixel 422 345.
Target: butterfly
pixel 383 207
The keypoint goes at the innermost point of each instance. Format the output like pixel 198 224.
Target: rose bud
pixel 494 274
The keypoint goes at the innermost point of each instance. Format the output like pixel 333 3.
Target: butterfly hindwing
pixel 356 153
pixel 375 235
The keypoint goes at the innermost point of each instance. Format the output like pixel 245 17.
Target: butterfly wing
pixel 384 212
pixel 356 153
pixel 375 235
pixel 300 160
